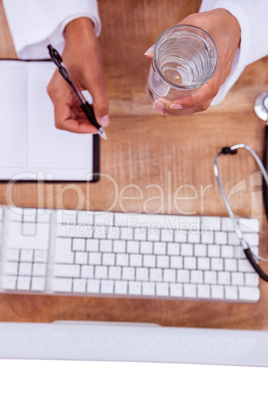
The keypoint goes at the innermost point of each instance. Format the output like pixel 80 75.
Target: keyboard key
pixel 40 256
pixel 217 292
pixel 80 257
pixel 203 291
pixel 189 262
pixel 67 270
pixel 207 238
pixel 176 262
pixel 25 268
pixel 9 282
pixel 231 292
pixel 224 278
pixel 149 261
pixel 249 293
pixel 173 249
pixel 210 277
pixel 23 283
pixel 85 217
pixel 11 268
pixel 200 250
pixel 187 249
pixel 92 245
pixel 26 255
pixel 180 237
pixel 194 237
pixel 148 288
pixel 39 269
pixel 64 253
pixel 135 260
pixel 159 248
pixel 87 271
pixel 221 238
pixel 216 264
pixel 126 233
pixel 121 260
pixel 227 252
pixel 94 258
pixel 162 289
pixel 169 275
pixel 128 273
pixel 134 288
pixel 119 246
pixel 233 239
pixel 107 286
pixel 155 274
pixel 79 285
pixel 101 272
pixel 142 274
pixel 79 244
pixel 175 290
pixel 93 285
pixel 106 246
pixel 133 247
pixel 121 287
pixel 252 279
pixel 203 263
pixel 237 278
pixel 230 264
pixel 183 276
pixel 38 284
pixel 245 266
pixel 189 290
pixel 153 234
pixel 139 234
pixel 114 273
pixel 108 258
pixel 213 250
pixel 13 254
pixel 162 261
pixel 146 247
pixel 167 235
pixel 196 277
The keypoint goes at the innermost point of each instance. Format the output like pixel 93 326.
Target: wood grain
pixel 154 163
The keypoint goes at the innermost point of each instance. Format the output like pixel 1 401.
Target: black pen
pixel 85 106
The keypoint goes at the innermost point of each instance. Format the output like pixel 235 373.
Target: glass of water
pixel 185 58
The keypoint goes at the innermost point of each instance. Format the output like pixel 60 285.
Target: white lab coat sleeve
pixel 252 16
pixel 36 23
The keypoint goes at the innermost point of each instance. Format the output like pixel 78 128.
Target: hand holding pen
pixel 82 56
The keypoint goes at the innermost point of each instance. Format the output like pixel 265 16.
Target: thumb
pixel 97 89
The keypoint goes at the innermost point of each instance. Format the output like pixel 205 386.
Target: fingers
pixel 149 53
pixel 94 82
pixel 67 112
pixel 198 102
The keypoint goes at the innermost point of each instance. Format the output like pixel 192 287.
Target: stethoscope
pixel 261 109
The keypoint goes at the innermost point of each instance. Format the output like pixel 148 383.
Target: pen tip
pixel 102 133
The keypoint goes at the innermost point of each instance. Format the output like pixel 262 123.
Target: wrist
pixel 78 29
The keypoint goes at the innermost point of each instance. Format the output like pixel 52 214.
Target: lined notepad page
pixel 30 145
pixel 65 155
pixel 13 118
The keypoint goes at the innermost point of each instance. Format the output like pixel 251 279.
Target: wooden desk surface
pixel 154 163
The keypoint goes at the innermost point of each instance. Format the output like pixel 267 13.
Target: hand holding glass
pixel 185 57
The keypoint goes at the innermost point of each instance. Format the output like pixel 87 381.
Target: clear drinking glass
pixel 185 58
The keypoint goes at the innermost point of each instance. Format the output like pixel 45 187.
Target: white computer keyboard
pixel 117 254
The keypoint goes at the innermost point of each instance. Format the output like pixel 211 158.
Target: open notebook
pixel 31 148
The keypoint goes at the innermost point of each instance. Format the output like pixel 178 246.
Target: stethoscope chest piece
pixel 261 106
